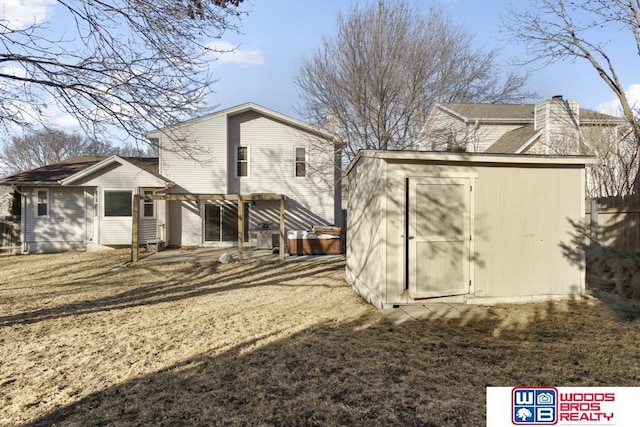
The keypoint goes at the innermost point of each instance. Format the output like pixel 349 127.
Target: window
pixel 147 205
pixel 43 202
pixel 242 161
pixel 117 203
pixel 300 162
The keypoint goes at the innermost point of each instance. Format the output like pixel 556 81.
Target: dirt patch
pixel 85 340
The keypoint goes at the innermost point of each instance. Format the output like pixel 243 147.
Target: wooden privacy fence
pixel 9 235
pixel 615 222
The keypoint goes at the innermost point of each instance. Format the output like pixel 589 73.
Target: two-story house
pixel 86 202
pixel 553 126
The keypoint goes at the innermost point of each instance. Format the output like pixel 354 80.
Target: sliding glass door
pixel 221 222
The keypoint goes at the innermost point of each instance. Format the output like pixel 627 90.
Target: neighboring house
pixel 554 126
pixel 246 149
pixel 551 127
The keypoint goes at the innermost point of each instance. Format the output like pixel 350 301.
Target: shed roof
pixel 478 158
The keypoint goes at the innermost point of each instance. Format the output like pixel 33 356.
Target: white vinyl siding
pixel 185 225
pixel 211 167
pixel 116 230
pixel 197 163
pixel 272 155
pixel 442 128
pixel 65 227
pixel 486 135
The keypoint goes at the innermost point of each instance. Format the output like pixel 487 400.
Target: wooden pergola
pixel 203 198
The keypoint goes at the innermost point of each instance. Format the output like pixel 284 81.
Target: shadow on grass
pixel 369 372
pixel 189 280
pixel 612 275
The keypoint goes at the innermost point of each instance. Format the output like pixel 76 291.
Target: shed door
pixel 439 236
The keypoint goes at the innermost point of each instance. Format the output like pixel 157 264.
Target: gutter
pixel 32 183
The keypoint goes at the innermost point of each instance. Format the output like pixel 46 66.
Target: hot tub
pixel 307 243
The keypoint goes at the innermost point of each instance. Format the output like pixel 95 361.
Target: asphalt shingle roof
pixel 58 171
pixel 512 140
pixel 513 111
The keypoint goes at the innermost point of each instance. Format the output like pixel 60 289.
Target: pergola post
pixel 201 199
pixel 135 212
pixel 282 236
pixel 240 227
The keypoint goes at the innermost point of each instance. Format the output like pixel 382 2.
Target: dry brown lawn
pixel 85 340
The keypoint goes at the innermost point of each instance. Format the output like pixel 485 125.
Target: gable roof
pixel 514 141
pixel 514 113
pixel 58 173
pixel 250 106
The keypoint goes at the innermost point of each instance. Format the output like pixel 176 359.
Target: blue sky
pixel 277 34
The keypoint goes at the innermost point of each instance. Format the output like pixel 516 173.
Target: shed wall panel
pixel 521 222
pixel 367 244
pixel 521 231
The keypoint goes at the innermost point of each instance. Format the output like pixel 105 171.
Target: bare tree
pixel 555 30
pixel 377 79
pixel 618 161
pixel 133 64
pixel 48 146
pixel 137 150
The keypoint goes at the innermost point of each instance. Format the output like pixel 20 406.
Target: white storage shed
pixel 464 227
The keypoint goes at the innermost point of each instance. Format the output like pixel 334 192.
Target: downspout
pixel 23 219
pixel 97 219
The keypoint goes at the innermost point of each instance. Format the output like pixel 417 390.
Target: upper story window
pixel 242 160
pixel 148 205
pixel 301 162
pixel 43 202
pixel 117 203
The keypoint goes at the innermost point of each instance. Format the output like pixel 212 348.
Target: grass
pixel 87 341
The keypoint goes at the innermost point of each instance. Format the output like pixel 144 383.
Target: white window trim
pixel 295 161
pixel 235 165
pixel 38 190
pixel 103 212
pixel 143 203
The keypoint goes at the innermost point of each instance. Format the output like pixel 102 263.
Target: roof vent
pixel 557 97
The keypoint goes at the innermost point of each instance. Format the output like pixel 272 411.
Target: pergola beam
pixel 215 197
pixel 239 198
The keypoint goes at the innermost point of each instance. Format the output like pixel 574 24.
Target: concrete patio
pixel 213 254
